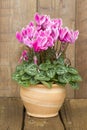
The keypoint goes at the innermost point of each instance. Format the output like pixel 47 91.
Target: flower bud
pixel 35 60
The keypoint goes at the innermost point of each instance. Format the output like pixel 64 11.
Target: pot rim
pixel 43 86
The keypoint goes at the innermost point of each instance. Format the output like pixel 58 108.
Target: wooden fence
pixel 14 14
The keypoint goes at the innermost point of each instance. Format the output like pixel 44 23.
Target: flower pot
pixel 40 101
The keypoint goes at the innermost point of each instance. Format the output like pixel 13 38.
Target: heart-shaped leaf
pixel 31 69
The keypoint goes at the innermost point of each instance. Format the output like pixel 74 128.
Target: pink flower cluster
pixel 45 32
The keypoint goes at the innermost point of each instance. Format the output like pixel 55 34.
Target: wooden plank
pixel 14 14
pixel 66 115
pixel 63 9
pixel 81 47
pixel 11 114
pixel 4 56
pixel 28 9
pixel 33 123
pixel 4 80
pixel 6 4
pixel 74 114
pixel 4 38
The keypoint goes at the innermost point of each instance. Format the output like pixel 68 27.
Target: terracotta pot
pixel 40 101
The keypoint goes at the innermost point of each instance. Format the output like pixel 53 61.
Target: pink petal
pixel 24 32
pixel 28 42
pixel 19 37
pixel 42 19
pixel 55 34
pixel 30 32
pixel 50 41
pixel 37 18
pixel 35 46
pixel 71 36
pixel 62 33
pixel 24 53
pixel 60 22
pixel 31 24
pixel 76 33
pixel 44 41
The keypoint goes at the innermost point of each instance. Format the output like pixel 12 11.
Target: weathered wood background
pixel 14 14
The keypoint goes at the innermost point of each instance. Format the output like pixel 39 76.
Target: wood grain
pixel 14 14
pixel 11 114
pixel 43 124
pixel 81 46
pixel 66 115
pixel 74 114
pixel 65 10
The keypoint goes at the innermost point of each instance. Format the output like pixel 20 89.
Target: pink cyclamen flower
pixel 26 35
pixel 40 19
pixel 19 36
pixel 24 32
pixel 57 23
pixel 31 24
pixel 43 41
pixel 28 42
pixel 40 44
pixel 24 56
pixel 30 31
pixel 28 38
pixel 55 33
pixel 45 33
pixel 71 36
pixel 62 33
pixel 50 42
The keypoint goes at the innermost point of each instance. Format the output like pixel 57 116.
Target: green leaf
pixel 60 60
pixel 33 81
pixel 60 70
pixel 61 80
pixel 54 79
pixel 16 76
pixel 76 78
pixel 31 69
pixel 21 72
pixel 74 85
pixel 63 84
pixel 47 84
pixel 24 83
pixel 43 67
pixel 50 73
pixel 48 62
pixel 42 77
pixel 19 67
pixel 22 66
pixel 64 79
pixel 72 70
pixel 25 77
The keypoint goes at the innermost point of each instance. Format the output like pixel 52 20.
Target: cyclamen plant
pixel 44 61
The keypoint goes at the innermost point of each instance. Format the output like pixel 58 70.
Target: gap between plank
pixel 23 119
pixel 62 120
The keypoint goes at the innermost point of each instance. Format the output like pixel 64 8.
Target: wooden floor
pixel 73 116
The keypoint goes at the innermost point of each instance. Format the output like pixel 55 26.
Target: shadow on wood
pixel 53 123
pixel 74 114
pixel 11 113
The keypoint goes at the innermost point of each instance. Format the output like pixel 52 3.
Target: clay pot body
pixel 40 101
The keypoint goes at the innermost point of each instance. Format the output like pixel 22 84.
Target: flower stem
pixel 63 48
pixel 41 57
